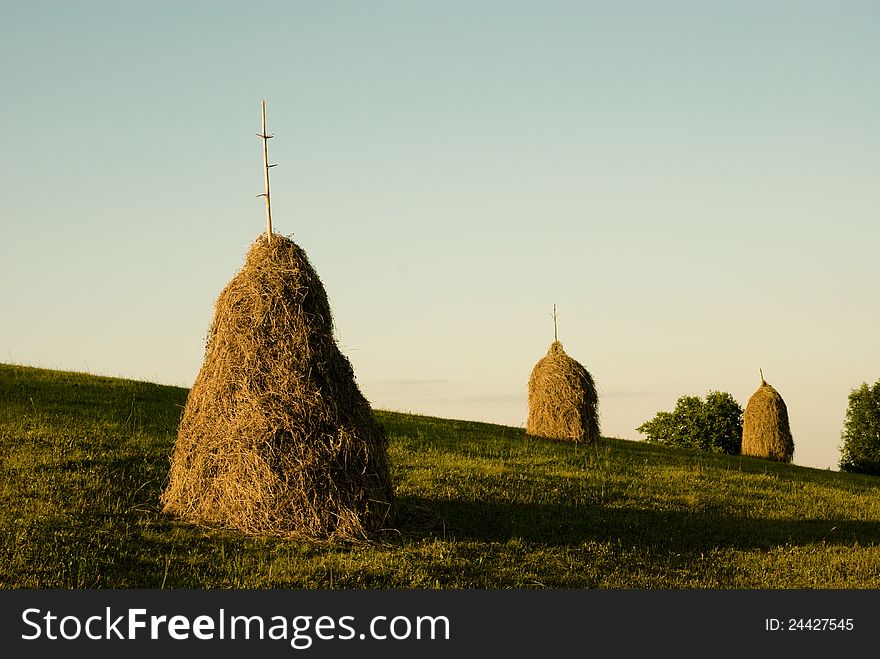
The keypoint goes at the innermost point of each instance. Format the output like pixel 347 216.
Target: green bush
pixel 711 425
pixel 860 452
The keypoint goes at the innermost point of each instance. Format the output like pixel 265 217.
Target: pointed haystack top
pixel 563 402
pixel 276 437
pixel 766 431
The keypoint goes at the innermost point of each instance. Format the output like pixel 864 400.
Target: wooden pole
pixel 761 371
pixel 266 137
pixel 555 338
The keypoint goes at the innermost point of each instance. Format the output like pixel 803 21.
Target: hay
pixel 276 438
pixel 563 403
pixel 766 433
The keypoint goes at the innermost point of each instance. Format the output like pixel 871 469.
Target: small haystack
pixel 563 403
pixel 766 433
pixel 276 438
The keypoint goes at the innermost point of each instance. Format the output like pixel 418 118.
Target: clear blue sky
pixel 694 183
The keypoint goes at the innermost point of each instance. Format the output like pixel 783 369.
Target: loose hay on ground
pixel 276 438
pixel 563 402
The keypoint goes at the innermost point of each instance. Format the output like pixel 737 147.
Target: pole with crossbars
pixel 266 137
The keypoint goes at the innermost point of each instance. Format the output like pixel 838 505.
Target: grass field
pixel 84 459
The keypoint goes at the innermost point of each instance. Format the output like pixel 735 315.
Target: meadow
pixel 84 459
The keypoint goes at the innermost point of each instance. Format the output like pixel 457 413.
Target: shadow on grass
pixel 112 534
pixel 683 531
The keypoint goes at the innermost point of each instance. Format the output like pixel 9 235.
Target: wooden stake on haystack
pixel 266 167
pixel 555 338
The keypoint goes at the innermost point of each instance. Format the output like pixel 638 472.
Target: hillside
pixel 84 459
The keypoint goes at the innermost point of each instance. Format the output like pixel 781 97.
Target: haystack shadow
pixel 560 524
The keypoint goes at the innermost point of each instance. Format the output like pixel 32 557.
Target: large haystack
pixel 276 437
pixel 766 433
pixel 563 403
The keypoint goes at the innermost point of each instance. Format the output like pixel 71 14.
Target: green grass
pixel 84 459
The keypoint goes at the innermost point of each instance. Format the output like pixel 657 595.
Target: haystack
pixel 276 438
pixel 766 433
pixel 563 403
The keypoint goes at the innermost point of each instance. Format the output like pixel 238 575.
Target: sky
pixel 694 184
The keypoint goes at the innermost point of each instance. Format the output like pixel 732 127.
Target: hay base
pixel 563 402
pixel 766 431
pixel 276 438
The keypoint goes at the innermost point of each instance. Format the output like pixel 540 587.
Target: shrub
pixel 860 452
pixel 711 425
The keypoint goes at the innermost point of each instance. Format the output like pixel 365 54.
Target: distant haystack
pixel 766 433
pixel 276 438
pixel 563 403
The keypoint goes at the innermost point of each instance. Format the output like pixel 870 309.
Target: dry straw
pixel 276 438
pixel 766 433
pixel 563 403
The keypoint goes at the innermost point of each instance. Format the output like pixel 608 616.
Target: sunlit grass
pixel 84 459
